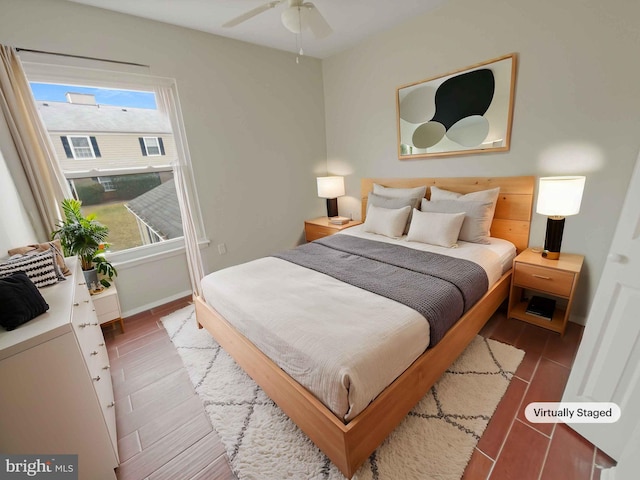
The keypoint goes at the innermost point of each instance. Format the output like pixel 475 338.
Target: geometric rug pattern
pixel 434 441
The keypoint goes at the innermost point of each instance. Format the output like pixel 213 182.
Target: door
pixel 607 366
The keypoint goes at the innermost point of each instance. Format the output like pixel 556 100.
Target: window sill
pixel 151 253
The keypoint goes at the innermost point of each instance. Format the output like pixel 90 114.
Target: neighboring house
pixel 102 143
pixel 157 213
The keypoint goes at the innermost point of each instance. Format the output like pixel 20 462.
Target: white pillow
pixel 477 220
pixel 393 202
pixel 490 195
pixel 418 192
pixel 435 228
pixel 386 221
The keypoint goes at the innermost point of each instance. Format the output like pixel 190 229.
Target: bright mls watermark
pixel 50 467
pixel 572 412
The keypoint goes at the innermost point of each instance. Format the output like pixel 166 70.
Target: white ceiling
pixel 352 20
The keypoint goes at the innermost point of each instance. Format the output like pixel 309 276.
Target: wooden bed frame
pixel 349 445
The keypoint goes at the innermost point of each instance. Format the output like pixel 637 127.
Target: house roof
pixel 159 209
pixel 75 117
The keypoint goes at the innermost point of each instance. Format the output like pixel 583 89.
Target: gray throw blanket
pixel 439 287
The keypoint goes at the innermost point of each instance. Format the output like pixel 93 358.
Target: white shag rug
pixel 434 441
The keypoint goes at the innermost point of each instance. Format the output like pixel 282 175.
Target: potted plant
pixel 86 238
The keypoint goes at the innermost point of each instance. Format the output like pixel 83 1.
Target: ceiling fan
pixel 295 17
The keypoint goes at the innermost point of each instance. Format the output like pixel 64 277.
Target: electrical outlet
pixel 222 249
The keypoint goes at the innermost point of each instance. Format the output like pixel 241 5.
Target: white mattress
pixel 342 343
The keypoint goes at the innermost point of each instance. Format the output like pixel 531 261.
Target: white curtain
pixel 31 140
pixel 168 102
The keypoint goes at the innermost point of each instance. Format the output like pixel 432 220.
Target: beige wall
pixel 254 122
pixel 577 104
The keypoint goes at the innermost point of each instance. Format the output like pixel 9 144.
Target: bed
pixel 349 430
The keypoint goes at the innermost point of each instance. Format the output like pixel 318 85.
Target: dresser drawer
pixel 104 392
pixel 97 359
pixel 544 279
pixel 86 327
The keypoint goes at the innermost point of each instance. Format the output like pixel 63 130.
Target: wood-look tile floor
pixel 163 430
pixel 164 433
pixel 511 448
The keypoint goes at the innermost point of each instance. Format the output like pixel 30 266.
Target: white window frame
pixel 107 183
pixel 157 145
pixel 73 147
pixel 38 70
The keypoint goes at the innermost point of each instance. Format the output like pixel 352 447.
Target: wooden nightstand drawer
pixel 314 232
pixel 544 279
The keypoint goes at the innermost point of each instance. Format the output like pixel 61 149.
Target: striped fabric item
pixel 40 268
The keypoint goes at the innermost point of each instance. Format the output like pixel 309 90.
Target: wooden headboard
pixel 512 219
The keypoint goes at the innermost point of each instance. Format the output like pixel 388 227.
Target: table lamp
pixel 331 188
pixel 558 197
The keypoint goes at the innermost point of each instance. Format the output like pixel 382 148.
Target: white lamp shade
pixel 330 187
pixel 560 196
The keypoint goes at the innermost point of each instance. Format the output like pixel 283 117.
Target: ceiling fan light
pixel 294 18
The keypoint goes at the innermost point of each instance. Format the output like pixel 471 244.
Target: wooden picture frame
pixel 467 111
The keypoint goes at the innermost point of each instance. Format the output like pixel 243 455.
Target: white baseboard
pixel 158 303
pixel 608 473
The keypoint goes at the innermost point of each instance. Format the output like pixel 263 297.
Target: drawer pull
pixel 101 344
pixel 82 325
pixel 95 352
pixel 95 324
pixel 82 283
pixel 86 301
pixel 106 367
pixel 540 276
pixel 76 304
pixel 112 404
pixel 96 379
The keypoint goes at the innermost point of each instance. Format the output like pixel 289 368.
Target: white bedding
pixel 342 343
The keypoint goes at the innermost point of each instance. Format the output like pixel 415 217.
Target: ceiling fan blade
pixel 251 13
pixel 317 23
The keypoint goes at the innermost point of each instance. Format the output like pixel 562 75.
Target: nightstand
pixel 321 227
pixel 556 279
pixel 107 307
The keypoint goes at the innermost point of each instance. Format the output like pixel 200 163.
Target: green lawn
pixel 123 228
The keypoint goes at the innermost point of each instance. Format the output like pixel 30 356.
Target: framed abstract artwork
pixel 463 112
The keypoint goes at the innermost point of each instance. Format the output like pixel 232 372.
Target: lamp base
pixel 332 207
pixel 553 238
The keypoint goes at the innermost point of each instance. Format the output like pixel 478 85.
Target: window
pixel 107 184
pixel 80 147
pixel 151 146
pixel 133 194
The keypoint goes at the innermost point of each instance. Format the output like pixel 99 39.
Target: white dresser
pixel 56 394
